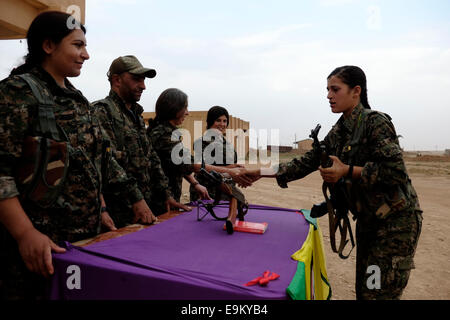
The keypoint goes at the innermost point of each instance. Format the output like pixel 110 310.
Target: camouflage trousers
pixel 16 282
pixel 384 257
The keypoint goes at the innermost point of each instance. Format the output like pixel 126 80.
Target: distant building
pixel 447 152
pixel 304 145
pixel 281 149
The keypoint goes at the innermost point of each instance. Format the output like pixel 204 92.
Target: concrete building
pixel 304 145
pixel 16 15
pixel 281 149
pixel 195 126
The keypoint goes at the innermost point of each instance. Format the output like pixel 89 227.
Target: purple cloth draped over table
pixel 183 258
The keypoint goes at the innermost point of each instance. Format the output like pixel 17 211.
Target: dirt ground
pixel 431 178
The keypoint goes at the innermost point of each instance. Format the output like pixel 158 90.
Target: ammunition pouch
pixel 42 170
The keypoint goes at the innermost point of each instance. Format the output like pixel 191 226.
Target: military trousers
pixel 385 252
pixel 16 281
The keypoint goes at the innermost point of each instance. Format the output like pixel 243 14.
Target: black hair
pixel 353 76
pixel 170 102
pixel 214 113
pixel 48 25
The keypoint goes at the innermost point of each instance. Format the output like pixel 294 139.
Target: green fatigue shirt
pixel 206 147
pixel 75 215
pixel 161 138
pixel 385 187
pixel 132 149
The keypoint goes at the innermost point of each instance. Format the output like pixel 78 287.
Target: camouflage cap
pixel 130 64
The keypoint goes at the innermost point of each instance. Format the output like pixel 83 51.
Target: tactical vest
pixel 43 166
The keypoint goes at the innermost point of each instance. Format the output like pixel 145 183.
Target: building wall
pixel 195 124
pixel 281 149
pixel 16 15
pixel 304 145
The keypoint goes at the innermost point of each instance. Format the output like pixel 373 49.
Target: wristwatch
pixel 103 209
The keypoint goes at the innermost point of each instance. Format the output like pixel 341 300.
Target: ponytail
pixel 25 67
pixel 363 98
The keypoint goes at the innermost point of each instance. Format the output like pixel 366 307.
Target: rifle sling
pixel 46 122
pixel 334 222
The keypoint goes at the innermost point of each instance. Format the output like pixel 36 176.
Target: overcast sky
pixel 267 61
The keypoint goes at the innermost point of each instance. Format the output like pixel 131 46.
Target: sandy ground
pixel 431 179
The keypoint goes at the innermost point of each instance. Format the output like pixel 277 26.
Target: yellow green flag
pixel 310 281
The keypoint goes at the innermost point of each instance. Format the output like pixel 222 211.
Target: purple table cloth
pixel 183 258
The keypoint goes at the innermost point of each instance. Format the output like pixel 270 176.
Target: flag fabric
pixel 310 281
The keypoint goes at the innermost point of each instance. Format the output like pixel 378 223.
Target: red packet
pixel 251 227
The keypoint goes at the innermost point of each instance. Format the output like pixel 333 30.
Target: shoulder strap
pixel 359 131
pixel 360 126
pixel 46 122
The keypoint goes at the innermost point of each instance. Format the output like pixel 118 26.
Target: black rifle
pixel 224 185
pixel 336 204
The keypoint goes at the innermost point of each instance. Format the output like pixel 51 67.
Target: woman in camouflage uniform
pixel 213 140
pixel 171 110
pixel 364 148
pixel 30 229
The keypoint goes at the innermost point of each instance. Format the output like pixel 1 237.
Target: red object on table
pixel 264 280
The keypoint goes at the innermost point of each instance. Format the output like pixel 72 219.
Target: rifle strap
pixel 46 122
pixel 335 222
pixel 331 216
pixel 343 229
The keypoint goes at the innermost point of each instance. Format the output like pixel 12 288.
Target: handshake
pixel 245 177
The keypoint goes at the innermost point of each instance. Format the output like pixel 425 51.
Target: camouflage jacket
pixel 384 187
pixel 206 147
pixel 75 214
pixel 161 138
pixel 131 146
